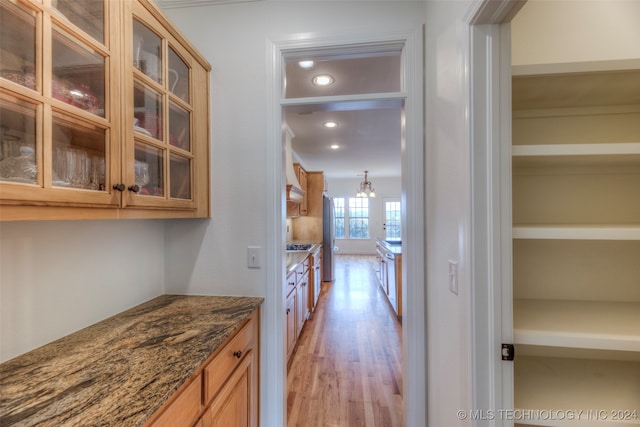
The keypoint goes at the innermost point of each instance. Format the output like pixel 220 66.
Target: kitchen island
pixel 389 272
pixel 120 371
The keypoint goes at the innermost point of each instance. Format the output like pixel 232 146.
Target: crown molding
pixel 174 4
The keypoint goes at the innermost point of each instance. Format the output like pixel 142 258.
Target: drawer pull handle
pixel 288 310
pixel 237 354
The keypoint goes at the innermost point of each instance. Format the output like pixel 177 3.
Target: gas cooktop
pixel 298 246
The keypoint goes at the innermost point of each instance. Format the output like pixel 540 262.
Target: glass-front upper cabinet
pixel 57 133
pixel 162 138
pixel 99 112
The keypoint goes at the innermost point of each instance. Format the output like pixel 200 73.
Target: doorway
pixel 410 97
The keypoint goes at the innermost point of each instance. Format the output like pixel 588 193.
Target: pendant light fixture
pixel 366 188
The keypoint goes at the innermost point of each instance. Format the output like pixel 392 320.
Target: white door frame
pixel 273 365
pixel 490 136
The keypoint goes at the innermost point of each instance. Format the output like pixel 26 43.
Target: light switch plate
pixel 453 277
pixel 253 257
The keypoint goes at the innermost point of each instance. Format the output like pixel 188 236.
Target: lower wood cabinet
pixel 389 273
pixel 291 322
pixel 225 390
pixel 315 276
pixel 232 407
pixel 298 302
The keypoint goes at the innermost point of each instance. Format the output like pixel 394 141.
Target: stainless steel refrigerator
pixel 328 240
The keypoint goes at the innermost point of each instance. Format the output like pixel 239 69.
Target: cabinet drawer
pixel 301 271
pixel 184 409
pixel 291 281
pixel 223 365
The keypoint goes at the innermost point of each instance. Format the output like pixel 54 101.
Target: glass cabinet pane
pixel 78 155
pixel 178 76
pixel 180 177
pixel 147 111
pixel 179 127
pixel 88 15
pixel 17 141
pixel 147 51
pixel 149 171
pixel 17 45
pixel 78 75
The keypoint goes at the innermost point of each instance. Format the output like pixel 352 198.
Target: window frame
pixel 344 206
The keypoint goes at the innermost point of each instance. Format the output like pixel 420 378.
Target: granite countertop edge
pixel 294 258
pixel 119 371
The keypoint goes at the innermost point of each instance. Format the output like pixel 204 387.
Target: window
pixel 392 220
pixel 351 223
pixel 338 207
pixel 358 218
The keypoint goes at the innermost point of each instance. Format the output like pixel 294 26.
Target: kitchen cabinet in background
pixel 308 228
pixel 301 174
pixel 99 113
pixel 576 243
pixel 297 302
pixel 315 277
pixel 389 273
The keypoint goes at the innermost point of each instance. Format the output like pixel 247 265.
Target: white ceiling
pixel 369 132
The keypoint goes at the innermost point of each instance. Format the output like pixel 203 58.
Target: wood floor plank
pixel 346 370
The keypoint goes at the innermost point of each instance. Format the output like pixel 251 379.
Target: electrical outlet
pixel 453 277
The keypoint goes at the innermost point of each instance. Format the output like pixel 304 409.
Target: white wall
pixel 59 276
pixel 447 184
pixel 385 187
pixel 233 38
pixel 546 32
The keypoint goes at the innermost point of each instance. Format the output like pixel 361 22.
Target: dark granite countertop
pixel 294 258
pixel 394 247
pixel 119 371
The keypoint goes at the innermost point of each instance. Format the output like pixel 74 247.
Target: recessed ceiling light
pixel 306 65
pixel 335 146
pixel 322 80
pixel 330 124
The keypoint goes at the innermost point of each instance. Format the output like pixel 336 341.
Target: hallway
pixel 346 369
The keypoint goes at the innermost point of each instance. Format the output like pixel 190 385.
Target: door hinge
pixel 508 351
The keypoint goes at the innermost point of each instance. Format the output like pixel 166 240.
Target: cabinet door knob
pixel 119 187
pixel 288 310
pixel 237 354
pixel 135 188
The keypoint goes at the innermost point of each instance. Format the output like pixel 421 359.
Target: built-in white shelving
pixel 598 325
pixel 578 232
pixel 576 247
pixel 624 148
pixel 593 389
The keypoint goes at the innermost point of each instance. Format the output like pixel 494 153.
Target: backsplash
pixel 289 229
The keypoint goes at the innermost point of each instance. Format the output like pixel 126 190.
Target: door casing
pixel 273 405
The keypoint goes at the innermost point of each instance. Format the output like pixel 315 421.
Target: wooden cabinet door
pixel 111 120
pixel 301 304
pixel 233 406
pixel 184 409
pixel 317 280
pixel 290 314
pixel 301 174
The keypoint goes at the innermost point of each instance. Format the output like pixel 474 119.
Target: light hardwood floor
pixel 346 370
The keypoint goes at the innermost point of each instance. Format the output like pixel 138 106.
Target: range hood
pixel 295 193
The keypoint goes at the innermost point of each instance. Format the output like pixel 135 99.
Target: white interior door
pixel 391 218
